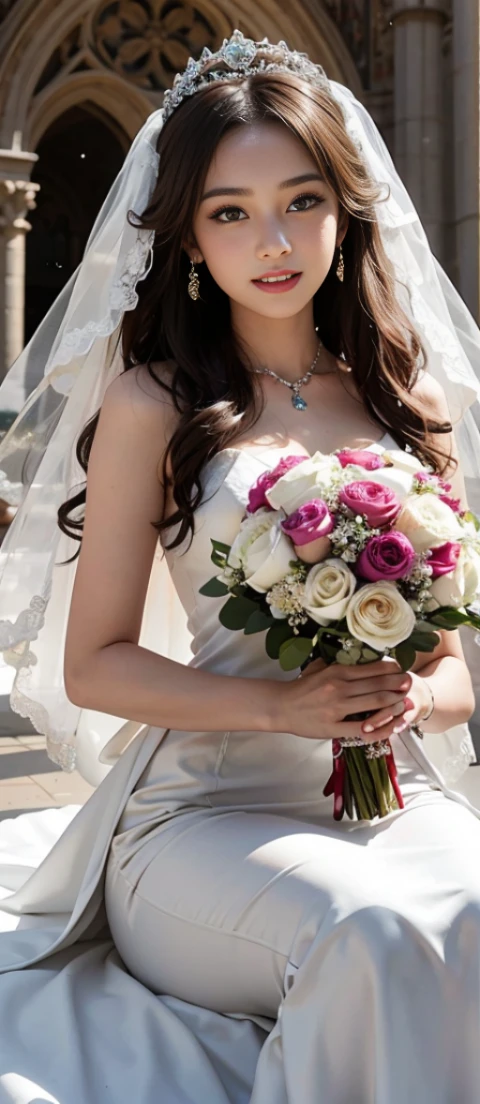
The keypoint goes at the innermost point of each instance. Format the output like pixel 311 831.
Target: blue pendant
pixel 299 403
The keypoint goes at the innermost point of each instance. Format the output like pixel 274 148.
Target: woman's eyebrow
pixel 292 183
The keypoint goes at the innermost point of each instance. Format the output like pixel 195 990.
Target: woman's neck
pixel 287 346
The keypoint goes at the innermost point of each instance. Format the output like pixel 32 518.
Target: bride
pixel 202 929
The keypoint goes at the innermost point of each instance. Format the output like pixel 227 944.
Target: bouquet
pixel 350 557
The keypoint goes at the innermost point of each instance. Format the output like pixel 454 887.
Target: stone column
pixel 419 147
pixel 466 78
pixel 17 197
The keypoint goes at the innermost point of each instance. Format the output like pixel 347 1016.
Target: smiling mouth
pixel 276 279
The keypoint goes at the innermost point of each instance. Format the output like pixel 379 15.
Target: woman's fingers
pixel 394 683
pixel 348 730
pixel 369 670
pixel 383 699
pixel 378 720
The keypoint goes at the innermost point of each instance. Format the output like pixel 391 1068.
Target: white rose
pixel 303 482
pixel 461 586
pixel 378 615
pixel 262 550
pixel 399 481
pixel 405 461
pixel 328 589
pixel 427 521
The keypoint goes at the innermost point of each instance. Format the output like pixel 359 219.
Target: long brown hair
pixel 210 383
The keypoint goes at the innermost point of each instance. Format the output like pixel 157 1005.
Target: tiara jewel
pixel 237 58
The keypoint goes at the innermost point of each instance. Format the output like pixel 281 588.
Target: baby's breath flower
pixel 287 596
pixel 350 534
pixel 415 587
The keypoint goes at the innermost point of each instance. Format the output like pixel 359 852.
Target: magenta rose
pixel 444 559
pixel 378 504
pixel 389 556
pixel 309 522
pixel 454 503
pixel 362 457
pixel 256 494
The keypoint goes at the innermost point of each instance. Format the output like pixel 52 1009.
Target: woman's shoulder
pixel 431 394
pixel 137 397
pixel 142 385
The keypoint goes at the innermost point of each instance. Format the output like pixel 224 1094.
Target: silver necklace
pixel 297 401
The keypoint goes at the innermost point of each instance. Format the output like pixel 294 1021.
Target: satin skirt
pixel 359 941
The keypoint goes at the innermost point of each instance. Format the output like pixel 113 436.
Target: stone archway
pixel 78 157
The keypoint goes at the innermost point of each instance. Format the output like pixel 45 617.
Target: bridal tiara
pixel 239 57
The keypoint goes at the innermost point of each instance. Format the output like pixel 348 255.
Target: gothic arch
pixel 33 30
pixel 117 100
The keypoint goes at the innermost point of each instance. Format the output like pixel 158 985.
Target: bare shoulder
pixel 139 404
pixel 429 392
pixel 139 390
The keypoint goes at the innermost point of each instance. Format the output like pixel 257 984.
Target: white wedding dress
pixel 263 952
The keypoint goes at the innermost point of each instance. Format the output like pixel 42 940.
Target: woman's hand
pixel 316 703
pixel 417 705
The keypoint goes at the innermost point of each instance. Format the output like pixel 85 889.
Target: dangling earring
pixel 340 267
pixel 193 283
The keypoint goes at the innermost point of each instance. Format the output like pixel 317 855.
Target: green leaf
pixel 405 655
pixel 239 591
pixel 236 612
pixel 469 516
pixel 219 547
pixel 218 559
pixel 214 588
pixel 424 642
pixel 448 618
pixel 294 652
pixel 258 622
pixel 345 659
pixel 276 636
pixel 369 654
pixel 422 627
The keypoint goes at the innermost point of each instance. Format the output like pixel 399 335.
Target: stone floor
pixel 29 780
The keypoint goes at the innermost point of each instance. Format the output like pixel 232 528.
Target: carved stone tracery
pixel 145 42
pixel 148 41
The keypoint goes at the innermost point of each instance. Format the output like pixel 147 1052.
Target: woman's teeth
pixel 275 279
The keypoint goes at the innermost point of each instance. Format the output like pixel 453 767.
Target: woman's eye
pixel 231 214
pixel 305 202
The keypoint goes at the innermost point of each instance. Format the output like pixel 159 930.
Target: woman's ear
pixel 193 252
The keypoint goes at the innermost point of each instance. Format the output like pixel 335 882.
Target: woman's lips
pixel 278 286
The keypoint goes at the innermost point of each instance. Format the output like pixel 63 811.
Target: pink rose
pixel 454 503
pixel 388 556
pixel 309 522
pixel 378 504
pixel 256 494
pixel 443 559
pixel 362 457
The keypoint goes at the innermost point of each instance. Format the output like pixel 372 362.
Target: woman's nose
pixel 273 243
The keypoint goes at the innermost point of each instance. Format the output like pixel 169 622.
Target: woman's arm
pixel 105 668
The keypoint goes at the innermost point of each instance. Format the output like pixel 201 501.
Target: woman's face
pixel 265 211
